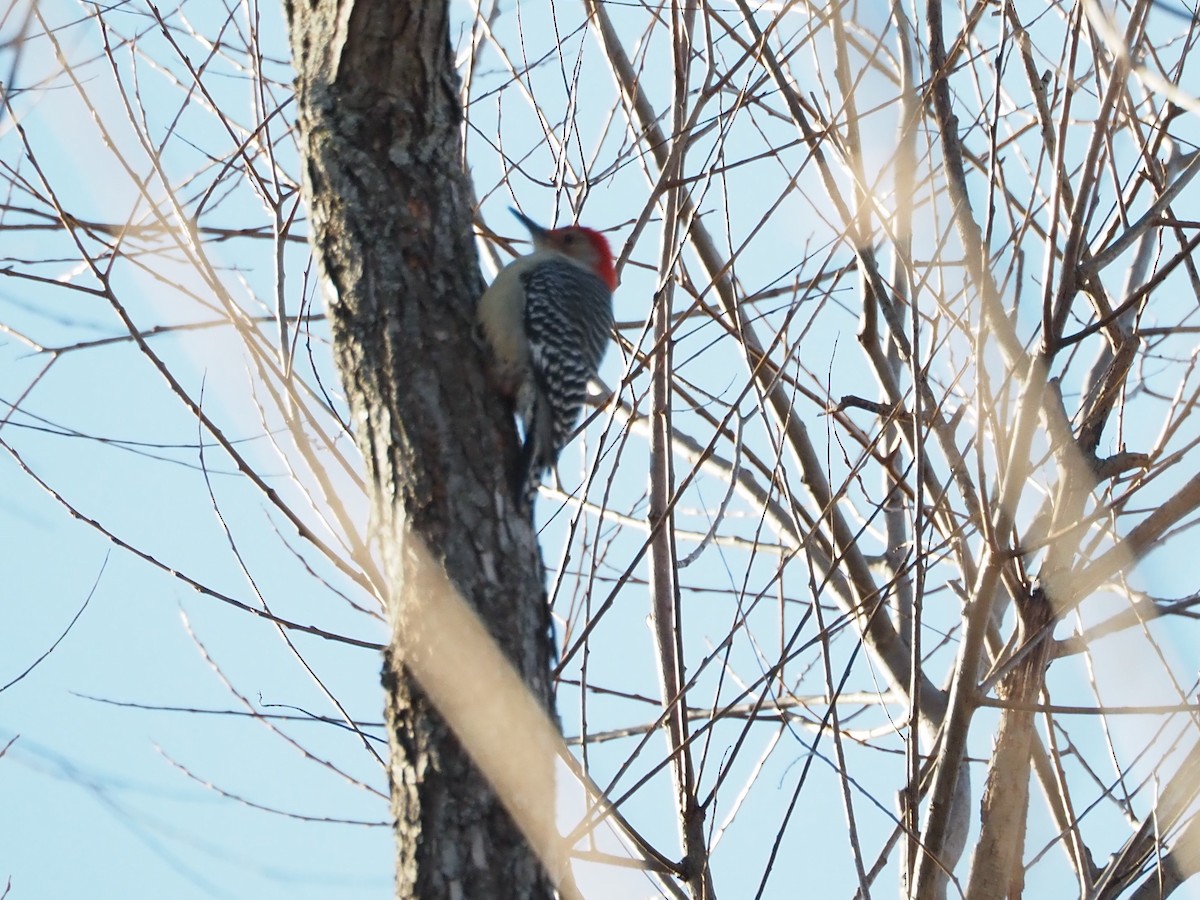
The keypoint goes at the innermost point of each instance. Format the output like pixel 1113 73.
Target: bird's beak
pixel 535 230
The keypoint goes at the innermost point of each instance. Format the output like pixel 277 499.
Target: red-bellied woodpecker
pixel 547 318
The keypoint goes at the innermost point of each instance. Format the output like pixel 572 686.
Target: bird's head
pixel 585 245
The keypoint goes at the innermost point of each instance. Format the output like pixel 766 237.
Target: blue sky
pixel 117 801
pixel 131 797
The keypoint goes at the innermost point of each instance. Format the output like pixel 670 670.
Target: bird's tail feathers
pixel 538 450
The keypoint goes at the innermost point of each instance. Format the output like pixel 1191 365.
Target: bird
pixel 547 319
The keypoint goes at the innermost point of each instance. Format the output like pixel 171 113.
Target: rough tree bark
pixel 391 211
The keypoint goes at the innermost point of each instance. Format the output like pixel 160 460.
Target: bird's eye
pixel 568 238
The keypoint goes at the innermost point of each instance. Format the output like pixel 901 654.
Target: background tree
pixel 896 454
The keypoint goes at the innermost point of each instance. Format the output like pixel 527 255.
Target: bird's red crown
pixel 588 246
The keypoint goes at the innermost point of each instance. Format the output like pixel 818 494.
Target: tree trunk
pixel 997 866
pixel 391 211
